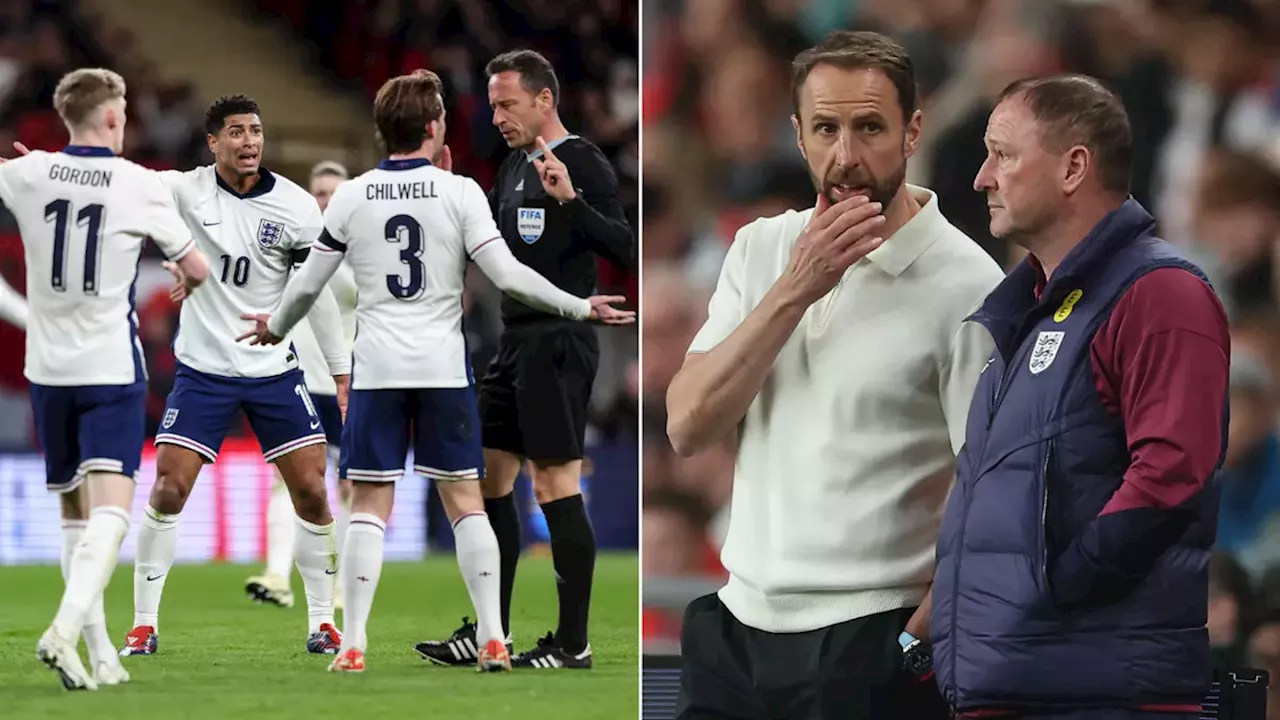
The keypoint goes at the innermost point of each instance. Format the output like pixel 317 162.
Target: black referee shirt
pixel 561 242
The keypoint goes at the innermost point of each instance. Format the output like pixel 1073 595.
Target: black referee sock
pixel 505 519
pixel 573 552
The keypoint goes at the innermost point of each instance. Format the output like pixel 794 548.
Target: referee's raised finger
pixel 546 149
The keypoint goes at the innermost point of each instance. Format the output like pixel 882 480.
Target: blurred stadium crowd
pixel 1201 80
pixel 356 46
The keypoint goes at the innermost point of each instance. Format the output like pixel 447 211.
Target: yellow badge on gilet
pixel 1068 302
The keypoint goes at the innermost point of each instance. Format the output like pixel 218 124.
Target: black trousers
pixel 850 671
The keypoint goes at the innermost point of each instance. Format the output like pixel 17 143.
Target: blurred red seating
pixel 41 130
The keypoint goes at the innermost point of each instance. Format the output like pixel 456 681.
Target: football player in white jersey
pixel 255 226
pixel 408 228
pixel 83 214
pixel 273 586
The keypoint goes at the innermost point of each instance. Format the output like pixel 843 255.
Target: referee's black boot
pixel 459 649
pixel 549 655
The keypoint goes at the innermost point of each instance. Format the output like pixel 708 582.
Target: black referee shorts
pixel 534 396
pixel 850 671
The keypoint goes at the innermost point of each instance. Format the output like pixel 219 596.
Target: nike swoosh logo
pixel 153 579
pixel 210 224
pixel 315 424
pixel 330 572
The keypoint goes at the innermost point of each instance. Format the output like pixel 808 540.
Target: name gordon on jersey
pixel 79 176
pixel 401 191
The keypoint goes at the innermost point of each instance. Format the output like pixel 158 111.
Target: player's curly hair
pixel 226 106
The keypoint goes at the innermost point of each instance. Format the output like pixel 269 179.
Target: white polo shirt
pixel 846 456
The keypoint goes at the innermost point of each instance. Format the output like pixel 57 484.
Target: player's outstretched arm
pixel 188 274
pixel 299 296
pixel 326 323
pixel 13 307
pixel 189 271
pixel 195 267
pixel 526 285
pixel 343 286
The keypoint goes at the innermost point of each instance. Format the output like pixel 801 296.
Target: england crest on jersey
pixel 170 417
pixel 270 233
pixel 1046 349
pixel 530 222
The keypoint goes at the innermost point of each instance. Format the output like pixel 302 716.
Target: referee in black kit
pixel 556 203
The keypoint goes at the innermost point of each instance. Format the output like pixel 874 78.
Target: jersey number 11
pixel 90 216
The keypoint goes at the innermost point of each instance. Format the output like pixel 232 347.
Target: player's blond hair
pixel 81 92
pixel 330 167
pixel 403 107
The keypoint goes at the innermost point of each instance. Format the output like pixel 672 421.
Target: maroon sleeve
pixel 1161 363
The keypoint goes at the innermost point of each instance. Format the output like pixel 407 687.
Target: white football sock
pixel 342 519
pixel 157 546
pixel 96 638
pixel 90 568
pixel 95 622
pixel 316 553
pixel 360 568
pixel 72 531
pixel 282 527
pixel 480 562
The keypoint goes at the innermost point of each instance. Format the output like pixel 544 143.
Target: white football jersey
pixel 83 214
pixel 249 240
pixel 409 229
pixel 315 371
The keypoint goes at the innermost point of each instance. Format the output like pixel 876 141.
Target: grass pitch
pixel 222 656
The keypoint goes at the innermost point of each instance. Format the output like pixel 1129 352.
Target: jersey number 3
pixel 404 229
pixel 58 212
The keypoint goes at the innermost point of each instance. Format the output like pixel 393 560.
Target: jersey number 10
pixel 236 270
pixel 58 212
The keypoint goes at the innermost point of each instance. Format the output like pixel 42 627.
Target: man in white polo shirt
pixel 836 347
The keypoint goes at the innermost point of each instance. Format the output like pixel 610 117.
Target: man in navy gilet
pixel 1072 561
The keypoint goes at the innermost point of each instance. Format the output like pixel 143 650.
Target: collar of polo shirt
pixel 912 239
